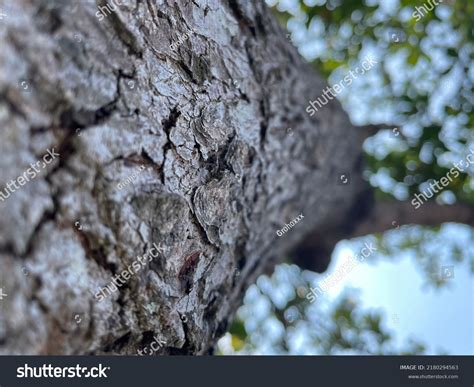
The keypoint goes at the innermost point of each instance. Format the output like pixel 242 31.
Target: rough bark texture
pixel 209 121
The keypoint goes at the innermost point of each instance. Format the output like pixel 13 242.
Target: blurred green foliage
pixel 422 60
pixel 283 321
pixel 422 90
pixel 429 246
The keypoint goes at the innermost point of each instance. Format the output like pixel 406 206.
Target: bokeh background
pixel 415 294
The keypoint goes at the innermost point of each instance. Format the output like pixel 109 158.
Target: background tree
pixel 418 106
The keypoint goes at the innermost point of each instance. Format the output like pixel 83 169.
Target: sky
pixel 443 319
pixel 395 285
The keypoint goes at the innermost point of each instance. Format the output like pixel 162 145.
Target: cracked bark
pixel 208 121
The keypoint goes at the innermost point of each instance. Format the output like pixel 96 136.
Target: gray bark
pixel 222 170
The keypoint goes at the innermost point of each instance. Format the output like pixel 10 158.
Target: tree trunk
pixel 180 124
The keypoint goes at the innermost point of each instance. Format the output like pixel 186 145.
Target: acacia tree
pixel 180 125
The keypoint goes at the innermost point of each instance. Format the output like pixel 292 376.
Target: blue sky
pixel 441 318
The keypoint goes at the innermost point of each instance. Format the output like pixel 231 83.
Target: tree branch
pixel 391 214
pixel 367 131
pixel 375 217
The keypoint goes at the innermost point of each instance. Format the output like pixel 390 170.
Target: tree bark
pixel 229 157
